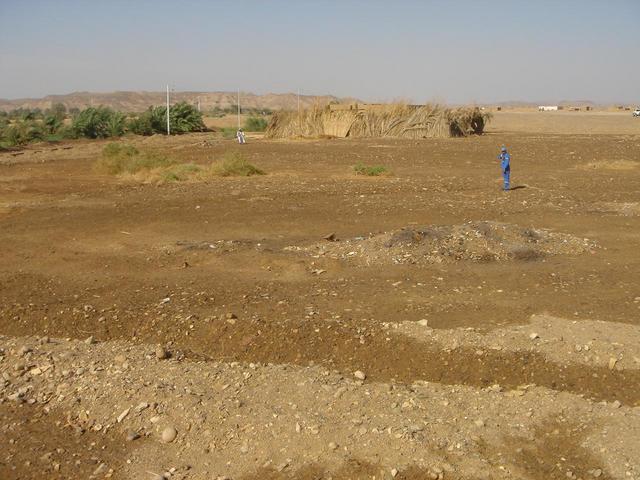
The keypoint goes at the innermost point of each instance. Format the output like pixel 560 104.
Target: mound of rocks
pixel 473 241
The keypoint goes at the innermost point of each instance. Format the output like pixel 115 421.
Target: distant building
pixel 548 108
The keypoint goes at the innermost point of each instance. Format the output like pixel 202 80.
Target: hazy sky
pixel 454 51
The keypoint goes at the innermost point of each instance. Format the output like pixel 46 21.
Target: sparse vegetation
pixel 370 171
pixel 228 132
pixel 119 159
pixel 179 172
pixel 126 160
pixel 234 164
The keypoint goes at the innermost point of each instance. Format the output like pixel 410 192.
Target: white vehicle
pixel 636 112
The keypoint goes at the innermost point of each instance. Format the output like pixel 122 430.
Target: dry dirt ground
pixel 442 329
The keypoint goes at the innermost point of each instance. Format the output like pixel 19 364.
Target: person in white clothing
pixel 240 136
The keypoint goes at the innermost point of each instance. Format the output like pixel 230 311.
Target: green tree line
pixel 22 126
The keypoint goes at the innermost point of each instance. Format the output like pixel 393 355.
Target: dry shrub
pixel 178 173
pixel 126 161
pixel 120 159
pixel 391 120
pixel 233 164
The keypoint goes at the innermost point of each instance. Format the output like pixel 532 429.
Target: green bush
pixel 52 123
pixel 255 124
pixel 22 132
pixel 153 120
pixel 100 122
pixel 228 132
pixel 370 171
pixel 183 118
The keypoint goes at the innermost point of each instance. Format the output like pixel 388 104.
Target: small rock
pixel 161 353
pixel 612 363
pixel 123 415
pixel 16 397
pixel 141 406
pixel 131 436
pixel 339 392
pixel 394 472
pixel 90 340
pixel 423 323
pixel 333 446
pixel 46 457
pixel 169 434
pixel 479 423
pixel 616 404
pixel 101 469
pixel 231 316
pixel 23 350
pixel 597 472
pixel 331 237
pixel 533 336
pixel 44 340
pixel 244 448
pixel 359 375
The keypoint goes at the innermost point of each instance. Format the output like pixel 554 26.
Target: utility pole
pixel 238 109
pixel 168 124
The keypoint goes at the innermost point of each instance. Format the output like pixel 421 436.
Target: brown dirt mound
pixel 474 241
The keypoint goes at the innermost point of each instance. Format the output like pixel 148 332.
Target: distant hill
pixel 139 101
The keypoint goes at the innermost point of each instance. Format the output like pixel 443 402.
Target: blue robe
pixel 505 165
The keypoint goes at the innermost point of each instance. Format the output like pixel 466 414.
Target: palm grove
pixel 22 126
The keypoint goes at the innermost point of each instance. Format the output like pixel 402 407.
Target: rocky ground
pixel 224 329
pixel 164 415
pixel 473 241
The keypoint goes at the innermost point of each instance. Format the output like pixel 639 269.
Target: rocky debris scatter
pixel 627 209
pixel 615 346
pixel 201 420
pixel 473 241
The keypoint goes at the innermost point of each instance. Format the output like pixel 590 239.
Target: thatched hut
pixel 385 120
